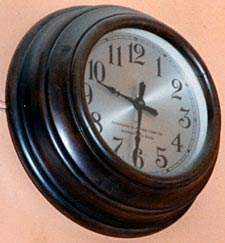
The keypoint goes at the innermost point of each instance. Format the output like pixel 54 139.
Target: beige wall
pixel 25 215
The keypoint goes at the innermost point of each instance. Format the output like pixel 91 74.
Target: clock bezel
pixel 95 194
pixel 89 131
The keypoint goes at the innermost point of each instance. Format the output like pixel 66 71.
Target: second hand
pixel 139 106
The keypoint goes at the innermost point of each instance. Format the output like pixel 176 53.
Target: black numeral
pixel 115 56
pixel 177 143
pixel 177 85
pixel 136 52
pixel 137 159
pixel 120 142
pixel 161 160
pixel 185 121
pixel 159 67
pixel 96 71
pixel 97 120
pixel 88 93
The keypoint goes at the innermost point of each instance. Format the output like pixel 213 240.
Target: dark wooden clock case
pixel 58 147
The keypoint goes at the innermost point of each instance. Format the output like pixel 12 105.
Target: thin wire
pixel 2 106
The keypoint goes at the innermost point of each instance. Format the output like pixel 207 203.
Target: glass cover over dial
pixel 146 101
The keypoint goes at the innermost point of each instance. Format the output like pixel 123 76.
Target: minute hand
pixel 116 92
pixel 113 90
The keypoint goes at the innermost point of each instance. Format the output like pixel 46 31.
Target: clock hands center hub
pixel 137 103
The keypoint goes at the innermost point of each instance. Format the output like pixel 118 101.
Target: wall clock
pixel 115 118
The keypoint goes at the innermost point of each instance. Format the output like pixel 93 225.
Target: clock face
pixel 145 102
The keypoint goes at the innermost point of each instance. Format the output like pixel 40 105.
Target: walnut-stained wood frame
pixel 58 146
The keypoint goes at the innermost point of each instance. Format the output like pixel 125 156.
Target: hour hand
pixel 149 109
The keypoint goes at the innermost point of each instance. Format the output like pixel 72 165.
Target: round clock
pixel 115 118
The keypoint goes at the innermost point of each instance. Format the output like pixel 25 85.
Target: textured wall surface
pixel 25 215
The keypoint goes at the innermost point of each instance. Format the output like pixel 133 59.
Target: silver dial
pixel 145 101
